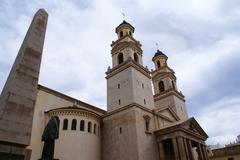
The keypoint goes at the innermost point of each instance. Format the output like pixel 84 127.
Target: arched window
pixel 158 64
pixel 74 124
pixel 161 86
pixel 147 119
pixel 120 130
pixel 119 102
pixel 173 85
pixel 121 34
pixel 89 127
pixel 94 128
pixel 82 124
pixel 144 101
pixel 65 124
pixel 120 58
pixel 118 86
pixel 147 125
pixel 135 57
pixel 130 33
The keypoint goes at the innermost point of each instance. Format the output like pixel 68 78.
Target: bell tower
pixel 128 81
pixel 165 86
pixel 130 102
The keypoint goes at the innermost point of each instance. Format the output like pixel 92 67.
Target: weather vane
pixel 123 14
pixel 157 46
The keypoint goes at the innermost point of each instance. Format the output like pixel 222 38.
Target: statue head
pixel 51 130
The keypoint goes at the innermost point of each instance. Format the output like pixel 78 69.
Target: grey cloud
pixel 199 37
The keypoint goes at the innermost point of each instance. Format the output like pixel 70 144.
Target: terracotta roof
pixel 71 99
pixel 226 151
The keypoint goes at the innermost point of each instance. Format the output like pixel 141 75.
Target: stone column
pixel 200 153
pixel 161 151
pixel 189 146
pixel 182 152
pixel 204 152
pixel 186 149
pixel 175 148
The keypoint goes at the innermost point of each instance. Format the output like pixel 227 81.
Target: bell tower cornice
pixel 128 63
pixel 125 38
pixel 156 76
pixel 163 71
pixel 121 45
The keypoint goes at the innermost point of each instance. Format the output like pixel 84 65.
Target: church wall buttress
pixel 119 136
pixel 147 146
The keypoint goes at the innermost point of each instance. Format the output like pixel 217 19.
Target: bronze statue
pixel 49 135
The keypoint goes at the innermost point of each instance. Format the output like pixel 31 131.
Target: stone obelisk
pixel 19 94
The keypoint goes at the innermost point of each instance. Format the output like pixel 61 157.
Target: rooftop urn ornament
pixel 123 14
pixel 157 46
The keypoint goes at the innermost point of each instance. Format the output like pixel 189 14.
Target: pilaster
pixel 181 148
pixel 161 151
pixel 175 148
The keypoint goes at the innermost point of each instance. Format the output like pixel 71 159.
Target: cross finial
pixel 123 14
pixel 157 46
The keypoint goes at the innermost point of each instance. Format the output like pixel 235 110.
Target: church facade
pixel 140 123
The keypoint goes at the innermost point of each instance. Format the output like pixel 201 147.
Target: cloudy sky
pixel 200 37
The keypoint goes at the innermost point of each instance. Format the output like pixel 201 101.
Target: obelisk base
pixel 11 152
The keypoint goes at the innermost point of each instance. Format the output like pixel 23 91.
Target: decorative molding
pixel 126 64
pixel 138 106
pixel 75 112
pixel 147 118
pixel 157 76
pixel 167 93
pixel 179 129
pixel 119 41
pixel 169 108
pixel 123 45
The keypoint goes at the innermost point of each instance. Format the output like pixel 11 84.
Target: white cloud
pixel 220 120
pixel 195 67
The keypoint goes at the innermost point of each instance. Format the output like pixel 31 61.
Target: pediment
pixel 188 127
pixel 193 126
pixel 167 112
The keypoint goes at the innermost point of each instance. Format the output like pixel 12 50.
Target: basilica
pixel 146 116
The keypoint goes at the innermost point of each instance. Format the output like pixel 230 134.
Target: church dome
pixel 124 24
pixel 159 53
